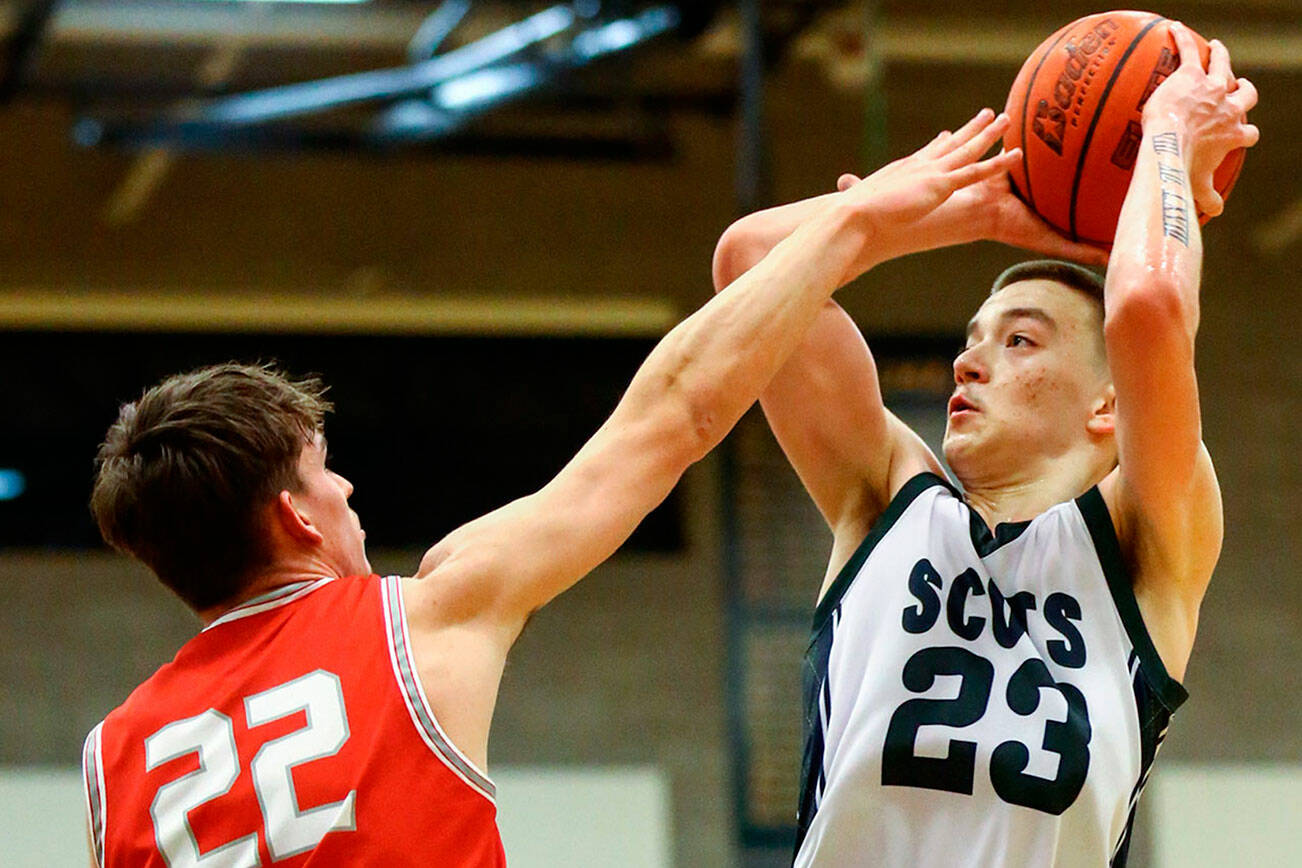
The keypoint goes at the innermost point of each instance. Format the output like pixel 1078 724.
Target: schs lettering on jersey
pixel 292 731
pixel 978 698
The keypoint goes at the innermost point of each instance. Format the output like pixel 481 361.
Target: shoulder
pixel 1171 546
pixel 460 590
pixel 854 542
pixel 1170 555
pixel 910 460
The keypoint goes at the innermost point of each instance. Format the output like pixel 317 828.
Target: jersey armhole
pixel 1098 520
pixel 398 640
pixel 92 778
pixel 908 493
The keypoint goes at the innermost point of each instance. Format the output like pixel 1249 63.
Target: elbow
pixel 706 426
pixel 734 255
pixel 695 416
pixel 1151 308
pixel 676 415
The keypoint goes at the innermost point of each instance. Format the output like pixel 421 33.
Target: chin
pixel 961 453
pixel 953 448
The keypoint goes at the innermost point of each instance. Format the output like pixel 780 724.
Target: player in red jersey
pixel 325 716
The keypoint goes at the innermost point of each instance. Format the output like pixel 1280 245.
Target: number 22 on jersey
pixel 290 829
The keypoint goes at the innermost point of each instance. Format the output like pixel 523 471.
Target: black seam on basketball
pixel 1094 121
pixel 1026 102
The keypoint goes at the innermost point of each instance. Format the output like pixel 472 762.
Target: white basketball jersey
pixel 977 698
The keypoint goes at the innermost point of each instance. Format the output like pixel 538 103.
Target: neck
pixel 1029 491
pixel 278 575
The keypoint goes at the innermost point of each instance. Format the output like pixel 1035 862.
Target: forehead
pixel 314 450
pixel 1066 306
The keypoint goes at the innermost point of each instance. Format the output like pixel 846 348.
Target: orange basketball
pixel 1075 110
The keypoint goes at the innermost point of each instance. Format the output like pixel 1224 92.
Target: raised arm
pixel 825 405
pixel 689 393
pixel 1164 496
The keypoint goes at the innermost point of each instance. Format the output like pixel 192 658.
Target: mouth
pixel 959 403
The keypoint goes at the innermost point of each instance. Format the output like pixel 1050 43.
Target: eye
pixel 1020 340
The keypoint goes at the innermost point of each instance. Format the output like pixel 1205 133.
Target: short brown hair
pixel 1068 273
pixel 184 471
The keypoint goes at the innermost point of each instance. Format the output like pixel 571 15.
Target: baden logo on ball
pixel 1076 107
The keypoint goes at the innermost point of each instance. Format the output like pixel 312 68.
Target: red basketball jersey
pixel 293 731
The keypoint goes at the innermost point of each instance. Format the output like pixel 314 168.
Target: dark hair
pixel 183 473
pixel 1069 273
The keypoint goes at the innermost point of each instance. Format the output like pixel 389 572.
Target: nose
pixel 968 367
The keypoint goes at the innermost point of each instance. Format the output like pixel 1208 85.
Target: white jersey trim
pixel 273 599
pixel 92 779
pixel 413 694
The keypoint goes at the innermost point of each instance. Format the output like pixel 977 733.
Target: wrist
pixel 855 233
pixel 1159 125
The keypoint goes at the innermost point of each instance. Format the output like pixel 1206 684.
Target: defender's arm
pixel 825 404
pixel 1164 496
pixel 690 391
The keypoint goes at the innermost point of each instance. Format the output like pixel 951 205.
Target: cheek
pixel 1035 385
pixel 1054 388
pixel 1042 394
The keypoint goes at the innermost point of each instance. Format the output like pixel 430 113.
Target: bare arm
pixel 825 405
pixel 1164 494
pixel 689 393
pixel 477 587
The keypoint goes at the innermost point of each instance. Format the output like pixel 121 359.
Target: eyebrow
pixel 1013 313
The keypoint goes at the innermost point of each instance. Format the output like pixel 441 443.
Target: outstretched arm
pixel 1164 496
pixel 824 405
pixel 689 393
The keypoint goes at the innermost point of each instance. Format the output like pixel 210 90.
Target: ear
pixel 1102 421
pixel 295 522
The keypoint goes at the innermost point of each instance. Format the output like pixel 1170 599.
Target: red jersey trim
pixel 92 778
pixel 422 716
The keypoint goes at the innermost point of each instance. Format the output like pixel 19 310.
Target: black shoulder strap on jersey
pixel 1106 545
pixel 907 494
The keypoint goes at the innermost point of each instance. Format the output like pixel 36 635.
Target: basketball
pixel 1076 108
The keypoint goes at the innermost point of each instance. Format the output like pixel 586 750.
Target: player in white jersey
pixel 991 670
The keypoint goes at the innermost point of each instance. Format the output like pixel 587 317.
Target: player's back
pixel 291 731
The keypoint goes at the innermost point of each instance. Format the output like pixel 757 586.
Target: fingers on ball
pixel 1185 44
pixel 1244 96
pixel 1218 63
